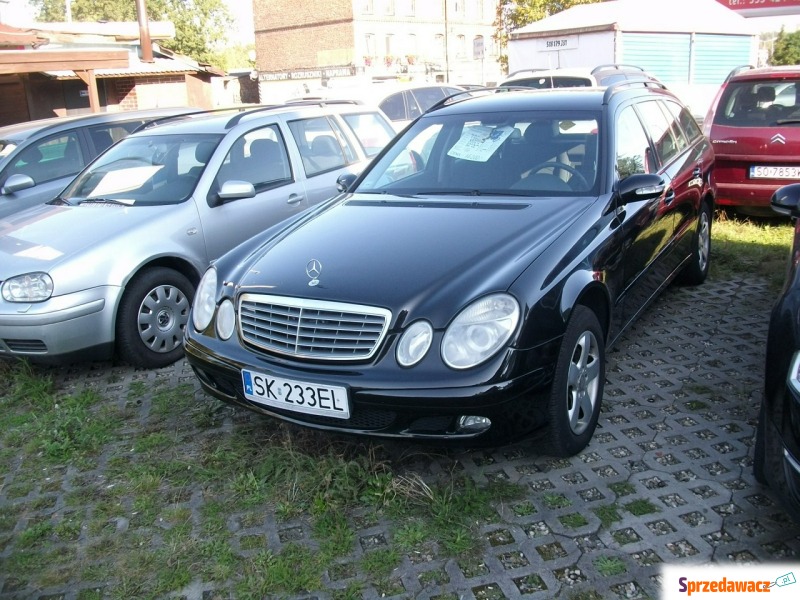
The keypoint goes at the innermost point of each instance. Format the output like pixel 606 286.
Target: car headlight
pixel 205 300
pixel 414 343
pixel 479 331
pixel 31 287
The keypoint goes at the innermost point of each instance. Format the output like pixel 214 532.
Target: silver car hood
pixel 44 237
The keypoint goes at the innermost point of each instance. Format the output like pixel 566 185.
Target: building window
pixel 369 44
pixel 438 45
pixel 407 8
pixel 461 46
pixel 366 7
pixel 389 7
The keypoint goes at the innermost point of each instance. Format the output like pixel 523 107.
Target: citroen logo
pixel 313 270
pixel 778 139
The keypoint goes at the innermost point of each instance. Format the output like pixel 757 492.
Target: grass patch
pixel 742 247
pixel 607 514
pixel 641 507
pixel 608 566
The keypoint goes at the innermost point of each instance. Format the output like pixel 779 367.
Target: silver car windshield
pixel 144 171
pixel 524 154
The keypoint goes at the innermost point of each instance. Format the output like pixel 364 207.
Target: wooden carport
pixel 82 62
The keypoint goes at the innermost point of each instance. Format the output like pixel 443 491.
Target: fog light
pixel 226 319
pixel 472 424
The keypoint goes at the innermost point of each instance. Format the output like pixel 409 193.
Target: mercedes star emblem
pixel 313 270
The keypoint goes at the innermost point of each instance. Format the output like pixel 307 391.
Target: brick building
pixel 302 45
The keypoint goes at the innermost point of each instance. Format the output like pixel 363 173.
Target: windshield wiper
pixel 471 193
pixel 788 121
pixel 58 201
pixel 115 201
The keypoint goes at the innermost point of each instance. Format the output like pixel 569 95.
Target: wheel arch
pixel 181 265
pixel 584 288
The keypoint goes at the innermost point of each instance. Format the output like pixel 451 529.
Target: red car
pixel 754 127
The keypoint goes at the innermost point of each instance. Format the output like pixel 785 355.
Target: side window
pixel 258 157
pixel 394 107
pixel 686 120
pixel 427 97
pixel 319 146
pixel 371 130
pixel 104 136
pixel 667 145
pixel 414 109
pixel 633 154
pixel 49 159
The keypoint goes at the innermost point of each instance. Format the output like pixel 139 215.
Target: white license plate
pixel 774 172
pixel 297 396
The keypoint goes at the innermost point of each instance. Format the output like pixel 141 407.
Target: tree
pixel 786 50
pixel 200 25
pixel 513 14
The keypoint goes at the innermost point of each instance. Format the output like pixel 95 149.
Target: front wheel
pixel 577 392
pixel 153 313
pixel 696 271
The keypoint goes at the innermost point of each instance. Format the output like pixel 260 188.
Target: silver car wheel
pixel 583 382
pixel 703 240
pixel 163 313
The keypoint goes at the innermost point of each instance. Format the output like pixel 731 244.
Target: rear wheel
pixel 577 391
pixel 152 316
pixel 696 271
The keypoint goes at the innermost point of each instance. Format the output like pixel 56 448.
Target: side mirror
pixel 234 189
pixel 345 180
pixel 16 183
pixel 642 186
pixel 785 200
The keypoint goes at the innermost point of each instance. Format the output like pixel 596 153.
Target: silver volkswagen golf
pixel 111 265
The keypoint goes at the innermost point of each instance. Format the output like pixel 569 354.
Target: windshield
pixel 145 170
pixel 511 154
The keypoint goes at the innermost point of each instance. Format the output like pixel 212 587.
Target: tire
pixel 577 392
pixel 152 315
pixel 760 446
pixel 696 271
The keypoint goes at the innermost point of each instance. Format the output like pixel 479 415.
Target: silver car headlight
pixel 31 287
pixel 414 343
pixel 205 300
pixel 479 331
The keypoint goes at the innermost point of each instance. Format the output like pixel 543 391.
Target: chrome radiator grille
pixel 311 328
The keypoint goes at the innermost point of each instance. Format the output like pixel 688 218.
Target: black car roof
pixel 578 98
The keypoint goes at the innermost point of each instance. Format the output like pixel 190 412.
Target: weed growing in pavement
pixel 608 566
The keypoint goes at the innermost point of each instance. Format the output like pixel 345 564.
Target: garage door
pixel 665 55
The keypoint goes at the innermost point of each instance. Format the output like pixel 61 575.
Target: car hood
pixel 421 256
pixel 44 236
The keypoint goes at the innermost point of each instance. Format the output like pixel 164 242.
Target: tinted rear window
pixel 550 82
pixel 759 103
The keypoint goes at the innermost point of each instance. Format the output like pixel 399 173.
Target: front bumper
pixel 74 324
pixel 515 406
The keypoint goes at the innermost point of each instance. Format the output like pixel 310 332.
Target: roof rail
pixel 188 115
pixel 738 70
pixel 625 83
pixel 306 102
pixel 616 66
pixel 518 71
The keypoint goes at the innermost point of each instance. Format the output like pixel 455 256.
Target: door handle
pixel 294 199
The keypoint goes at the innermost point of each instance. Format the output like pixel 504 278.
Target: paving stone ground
pixel 682 395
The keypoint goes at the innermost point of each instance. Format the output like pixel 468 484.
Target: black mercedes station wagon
pixel 467 284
